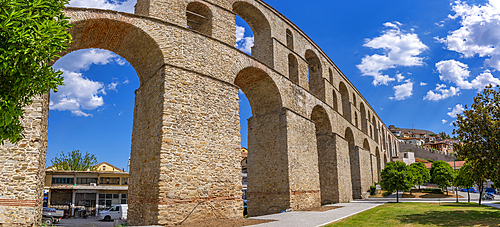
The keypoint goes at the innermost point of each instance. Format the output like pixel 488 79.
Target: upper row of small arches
pixel 199 18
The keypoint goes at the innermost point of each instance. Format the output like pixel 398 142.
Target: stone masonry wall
pixel 327 162
pixel 365 168
pixel 343 169
pixel 267 165
pixel 22 168
pixel 302 162
pixel 424 153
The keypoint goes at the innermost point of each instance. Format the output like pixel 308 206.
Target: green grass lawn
pixel 425 214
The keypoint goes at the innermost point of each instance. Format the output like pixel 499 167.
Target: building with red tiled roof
pixel 456 165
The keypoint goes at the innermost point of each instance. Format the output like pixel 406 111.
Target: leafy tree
pixel 442 174
pixel 478 130
pixel 396 177
pixel 32 33
pixel 420 173
pixel 444 136
pixel 464 178
pixel 75 161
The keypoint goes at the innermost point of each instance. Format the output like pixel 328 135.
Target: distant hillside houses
pixel 424 138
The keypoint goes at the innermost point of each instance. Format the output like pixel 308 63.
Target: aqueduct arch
pixel 186 140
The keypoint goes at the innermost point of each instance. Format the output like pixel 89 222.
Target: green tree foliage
pixel 396 177
pixel 478 130
pixel 75 161
pixel 444 136
pixel 32 33
pixel 420 173
pixel 464 178
pixel 442 174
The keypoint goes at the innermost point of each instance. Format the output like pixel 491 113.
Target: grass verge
pixel 425 214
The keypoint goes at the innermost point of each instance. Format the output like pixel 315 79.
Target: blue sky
pixel 415 62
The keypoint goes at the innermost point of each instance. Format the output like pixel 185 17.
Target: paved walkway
pixel 313 219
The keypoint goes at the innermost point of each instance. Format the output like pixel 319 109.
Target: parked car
pixel 490 190
pixel 473 190
pixel 115 212
pixel 55 215
pixel 47 220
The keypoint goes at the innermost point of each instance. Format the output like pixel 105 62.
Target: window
pixel 116 208
pixel 104 168
pixel 86 180
pixel 62 180
pixel 124 180
pixel 124 198
pixel 109 180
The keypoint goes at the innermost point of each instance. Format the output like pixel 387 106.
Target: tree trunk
pixel 397 196
pixel 468 195
pixel 480 188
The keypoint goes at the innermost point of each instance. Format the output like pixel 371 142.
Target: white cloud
pixel 400 77
pixel 403 91
pixel 81 60
pixel 441 93
pixel 458 72
pixel 444 121
pixel 423 83
pixel 458 109
pixel 455 72
pixel 240 33
pixel 243 43
pixel 126 81
pixel 117 5
pixel 400 48
pixel 485 78
pixel 112 86
pixel 78 93
pixel 479 33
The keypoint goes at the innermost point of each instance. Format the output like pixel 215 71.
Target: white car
pixel 115 212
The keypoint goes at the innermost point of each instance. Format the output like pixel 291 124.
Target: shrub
pixel 385 194
pixel 433 190
pixel 373 190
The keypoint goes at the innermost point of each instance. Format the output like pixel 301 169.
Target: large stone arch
pixel 266 153
pixel 263 43
pixel 144 54
pixel 327 156
pixel 354 163
pixel 122 38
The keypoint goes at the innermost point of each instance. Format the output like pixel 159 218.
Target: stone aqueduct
pixel 313 138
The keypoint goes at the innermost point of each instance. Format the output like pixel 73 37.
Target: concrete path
pixel 313 219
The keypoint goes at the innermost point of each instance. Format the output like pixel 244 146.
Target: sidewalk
pixel 313 219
